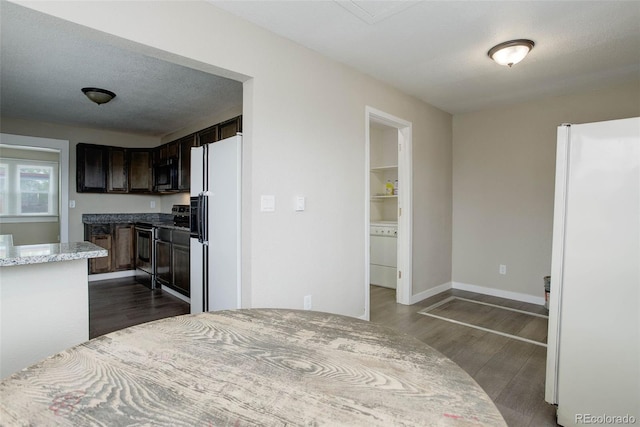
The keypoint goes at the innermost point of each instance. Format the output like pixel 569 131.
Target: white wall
pixel 303 117
pixel 44 309
pixel 503 185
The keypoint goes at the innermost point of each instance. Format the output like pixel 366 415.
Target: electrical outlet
pixel 503 269
pixel 307 302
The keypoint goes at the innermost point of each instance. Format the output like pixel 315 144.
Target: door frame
pixel 405 203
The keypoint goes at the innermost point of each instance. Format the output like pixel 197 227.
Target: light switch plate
pixel 300 203
pixel 267 203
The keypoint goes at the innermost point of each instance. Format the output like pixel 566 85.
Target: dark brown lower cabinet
pixel 163 262
pixel 123 247
pixel 180 262
pixel 100 234
pixel 172 260
pixel 118 239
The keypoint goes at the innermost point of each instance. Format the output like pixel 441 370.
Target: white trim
pixel 405 223
pixel 62 146
pixel 16 219
pixel 112 275
pixel 516 296
pixel 430 292
pixel 557 262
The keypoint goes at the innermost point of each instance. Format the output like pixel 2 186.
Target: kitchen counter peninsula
pixel 48 252
pixel 44 300
pixel 267 367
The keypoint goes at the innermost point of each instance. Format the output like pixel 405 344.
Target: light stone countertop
pixel 265 367
pixel 48 252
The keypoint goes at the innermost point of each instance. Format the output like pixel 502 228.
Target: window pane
pixel 4 185
pixel 35 184
pixel 34 203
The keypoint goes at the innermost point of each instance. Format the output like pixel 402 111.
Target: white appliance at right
pixel 593 354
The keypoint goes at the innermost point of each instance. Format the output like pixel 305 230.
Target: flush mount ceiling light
pixel 511 52
pixel 97 95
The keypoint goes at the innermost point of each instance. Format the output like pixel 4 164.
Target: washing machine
pixel 384 254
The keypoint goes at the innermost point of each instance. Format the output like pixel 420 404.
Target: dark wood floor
pixel 120 303
pixel 512 372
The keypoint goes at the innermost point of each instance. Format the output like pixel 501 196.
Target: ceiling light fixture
pixel 97 95
pixel 511 52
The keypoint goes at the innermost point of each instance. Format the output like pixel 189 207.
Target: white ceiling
pixel 434 50
pixel 437 50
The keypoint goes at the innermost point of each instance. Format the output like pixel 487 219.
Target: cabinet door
pixel 123 248
pixel 184 162
pixel 100 234
pixel 173 148
pixel 91 168
pixel 117 171
pixel 140 170
pixel 163 262
pixel 162 153
pixel 208 135
pixel 230 127
pixel 181 270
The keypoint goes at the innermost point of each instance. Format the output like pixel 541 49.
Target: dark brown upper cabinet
pixel 184 161
pixel 117 176
pixel 208 135
pixel 140 174
pixel 229 128
pixel 91 168
pixel 108 169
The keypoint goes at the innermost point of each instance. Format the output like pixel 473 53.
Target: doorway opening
pixel 388 201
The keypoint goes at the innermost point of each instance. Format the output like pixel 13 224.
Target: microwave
pixel 165 175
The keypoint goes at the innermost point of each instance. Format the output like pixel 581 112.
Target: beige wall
pixel 303 118
pixel 503 184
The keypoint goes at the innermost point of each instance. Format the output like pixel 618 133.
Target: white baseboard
pixel 114 275
pixel 430 292
pixel 517 296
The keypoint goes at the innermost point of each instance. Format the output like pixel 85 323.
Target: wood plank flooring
pixel 120 303
pixel 512 372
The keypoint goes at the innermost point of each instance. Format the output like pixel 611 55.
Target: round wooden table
pixel 261 367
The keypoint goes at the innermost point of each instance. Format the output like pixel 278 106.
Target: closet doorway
pixel 388 248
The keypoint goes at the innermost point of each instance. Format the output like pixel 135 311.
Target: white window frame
pixel 13 192
pixel 60 146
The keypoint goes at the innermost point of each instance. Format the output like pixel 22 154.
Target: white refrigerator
pixel 215 225
pixel 593 354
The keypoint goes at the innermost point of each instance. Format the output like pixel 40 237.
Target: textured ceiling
pixel 433 50
pixel 437 50
pixel 46 61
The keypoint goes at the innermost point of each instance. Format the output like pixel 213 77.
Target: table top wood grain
pixel 264 367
